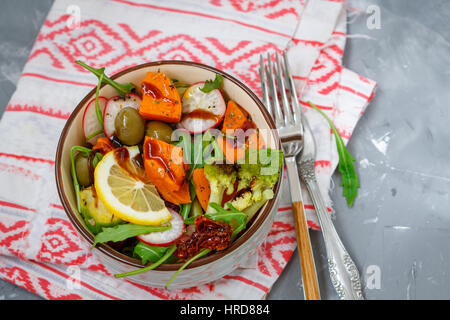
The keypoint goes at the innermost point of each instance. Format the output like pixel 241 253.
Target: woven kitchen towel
pixel 39 248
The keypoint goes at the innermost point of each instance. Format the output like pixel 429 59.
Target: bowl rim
pixel 129 261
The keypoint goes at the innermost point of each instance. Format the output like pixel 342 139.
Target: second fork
pixel 287 116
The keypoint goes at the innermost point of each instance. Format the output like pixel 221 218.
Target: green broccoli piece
pixel 242 201
pixel 250 211
pixel 258 174
pixel 221 179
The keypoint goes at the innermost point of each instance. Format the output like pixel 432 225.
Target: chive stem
pixel 76 185
pixel 166 256
pixel 202 253
pixel 98 111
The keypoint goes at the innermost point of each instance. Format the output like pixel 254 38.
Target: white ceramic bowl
pixel 206 269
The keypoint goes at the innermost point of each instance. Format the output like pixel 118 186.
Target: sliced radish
pixel 113 106
pixel 202 111
pixel 165 238
pixel 90 120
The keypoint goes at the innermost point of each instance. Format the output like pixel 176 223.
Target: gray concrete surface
pixel 399 228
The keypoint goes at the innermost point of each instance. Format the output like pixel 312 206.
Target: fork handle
pixel 307 265
pixel 308 268
pixel 343 272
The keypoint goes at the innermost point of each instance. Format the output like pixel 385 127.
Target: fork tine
pixel 265 93
pixel 279 120
pixel 294 99
pixel 282 88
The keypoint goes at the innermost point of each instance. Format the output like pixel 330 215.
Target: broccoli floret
pixel 243 201
pixel 259 173
pixel 221 179
pixel 250 211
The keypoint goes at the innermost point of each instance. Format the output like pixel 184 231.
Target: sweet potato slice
pixel 202 187
pixel 255 139
pixel 177 197
pixel 231 150
pixel 164 164
pixel 235 118
pixel 160 98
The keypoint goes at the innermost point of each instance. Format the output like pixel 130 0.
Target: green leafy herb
pixel 125 231
pixel 349 178
pixel 194 149
pixel 98 111
pixel 211 150
pixel 181 87
pixel 196 209
pixel 93 134
pixel 211 85
pixel 186 207
pixel 235 218
pixel 163 259
pixel 184 142
pixel 202 253
pixel 197 148
pixel 149 253
pixel 97 158
pixel 122 89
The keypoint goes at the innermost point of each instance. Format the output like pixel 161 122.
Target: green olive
pixel 82 169
pixel 159 130
pixel 129 126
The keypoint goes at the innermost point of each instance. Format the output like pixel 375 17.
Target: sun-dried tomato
pixel 103 146
pixel 208 234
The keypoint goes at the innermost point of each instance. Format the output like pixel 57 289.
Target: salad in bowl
pixel 167 170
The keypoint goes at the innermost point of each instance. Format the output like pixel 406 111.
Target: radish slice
pixel 202 111
pixel 165 238
pixel 113 106
pixel 90 121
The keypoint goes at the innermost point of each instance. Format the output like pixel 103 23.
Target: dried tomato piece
pixel 187 246
pixel 208 234
pixel 215 235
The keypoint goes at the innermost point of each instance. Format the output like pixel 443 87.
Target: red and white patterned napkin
pixel 39 249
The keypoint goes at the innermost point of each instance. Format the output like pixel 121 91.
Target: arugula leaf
pixel 149 253
pixel 122 89
pixel 125 231
pixel 211 85
pixel 235 218
pixel 163 259
pixel 349 178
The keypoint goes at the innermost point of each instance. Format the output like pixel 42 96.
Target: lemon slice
pixel 125 193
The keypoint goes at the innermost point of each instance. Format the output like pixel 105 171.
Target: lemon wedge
pixel 124 190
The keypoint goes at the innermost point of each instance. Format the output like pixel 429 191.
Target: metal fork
pixel 290 129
